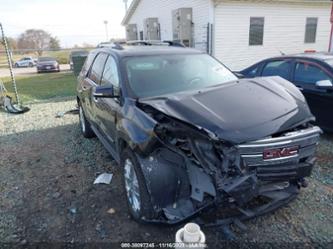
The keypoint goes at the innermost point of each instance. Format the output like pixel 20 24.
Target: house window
pixel 311 29
pixel 256 31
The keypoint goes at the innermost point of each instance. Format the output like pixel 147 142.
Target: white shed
pixel 238 33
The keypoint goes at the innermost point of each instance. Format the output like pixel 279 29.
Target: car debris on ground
pixel 62 114
pixel 104 178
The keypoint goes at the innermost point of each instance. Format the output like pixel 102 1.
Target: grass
pixel 39 87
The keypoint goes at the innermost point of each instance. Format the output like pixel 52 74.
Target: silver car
pixel 25 62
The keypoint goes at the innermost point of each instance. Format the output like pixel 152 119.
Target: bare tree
pixel 54 43
pixel 36 39
pixel 12 44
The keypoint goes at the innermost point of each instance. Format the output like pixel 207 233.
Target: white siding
pixel 284 30
pixel 163 10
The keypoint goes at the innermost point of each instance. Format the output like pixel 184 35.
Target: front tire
pixel 86 130
pixel 138 198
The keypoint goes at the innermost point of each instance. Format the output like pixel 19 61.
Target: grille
pixel 288 167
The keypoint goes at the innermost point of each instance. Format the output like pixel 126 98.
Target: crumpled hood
pixel 240 111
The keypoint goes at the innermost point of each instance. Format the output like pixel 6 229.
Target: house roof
pixel 130 11
pixel 135 4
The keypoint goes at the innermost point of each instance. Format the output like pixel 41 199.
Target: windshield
pixel 151 76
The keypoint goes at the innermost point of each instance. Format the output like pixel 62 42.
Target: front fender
pixel 137 129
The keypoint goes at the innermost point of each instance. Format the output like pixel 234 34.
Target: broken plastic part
pixel 104 178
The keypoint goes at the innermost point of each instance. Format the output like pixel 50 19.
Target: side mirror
pixel 104 92
pixel 324 84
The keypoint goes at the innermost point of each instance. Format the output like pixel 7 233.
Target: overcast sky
pixel 72 21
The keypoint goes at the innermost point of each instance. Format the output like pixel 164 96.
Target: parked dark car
pixel 47 64
pixel 189 135
pixel 312 73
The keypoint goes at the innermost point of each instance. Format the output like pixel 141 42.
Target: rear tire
pixel 31 65
pixel 16 65
pixel 86 130
pixel 137 195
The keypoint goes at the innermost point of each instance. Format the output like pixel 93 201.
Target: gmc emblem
pixel 280 153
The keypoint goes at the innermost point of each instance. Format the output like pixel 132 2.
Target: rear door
pixel 107 108
pixel 306 74
pixel 92 80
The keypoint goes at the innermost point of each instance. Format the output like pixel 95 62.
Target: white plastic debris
pixel 190 236
pixel 104 178
pixel 60 114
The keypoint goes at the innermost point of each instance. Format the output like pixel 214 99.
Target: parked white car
pixel 25 62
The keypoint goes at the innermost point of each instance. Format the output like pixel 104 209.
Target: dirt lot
pixel 47 192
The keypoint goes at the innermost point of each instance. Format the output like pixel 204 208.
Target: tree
pixel 12 44
pixel 34 39
pixel 54 43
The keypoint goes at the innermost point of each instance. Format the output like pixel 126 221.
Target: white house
pixel 238 33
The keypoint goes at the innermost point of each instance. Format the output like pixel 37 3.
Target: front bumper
pixel 277 180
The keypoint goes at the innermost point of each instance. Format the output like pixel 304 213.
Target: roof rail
pixel 175 44
pixel 118 45
pixel 154 43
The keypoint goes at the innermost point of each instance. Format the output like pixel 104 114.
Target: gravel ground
pixel 47 195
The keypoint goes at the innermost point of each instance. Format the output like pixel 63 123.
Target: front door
pixel 320 101
pixel 107 108
pixel 93 80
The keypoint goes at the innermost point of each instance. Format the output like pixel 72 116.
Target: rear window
pixel 46 59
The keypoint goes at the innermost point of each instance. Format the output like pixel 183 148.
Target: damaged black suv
pixel 189 135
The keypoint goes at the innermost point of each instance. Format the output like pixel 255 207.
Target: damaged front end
pixel 190 169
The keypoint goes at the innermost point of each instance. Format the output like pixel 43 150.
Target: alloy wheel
pixel 132 186
pixel 82 121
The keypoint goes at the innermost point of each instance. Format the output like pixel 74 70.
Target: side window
pixel 309 74
pixel 97 68
pixel 277 68
pixel 110 74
